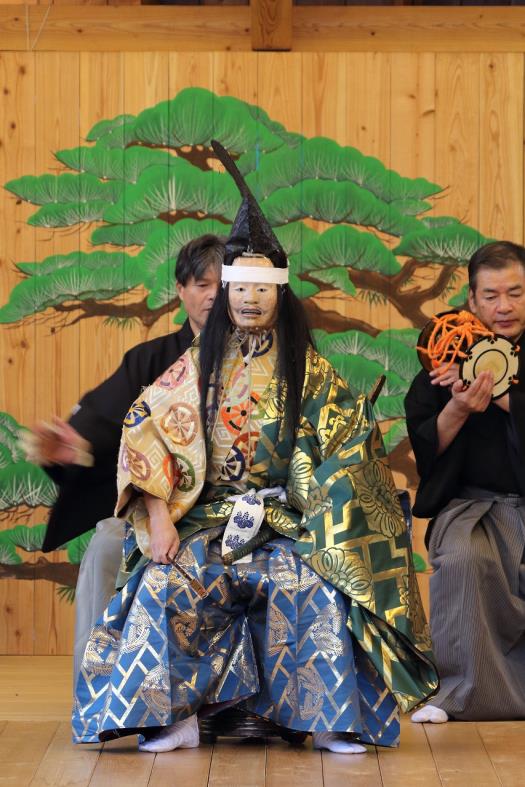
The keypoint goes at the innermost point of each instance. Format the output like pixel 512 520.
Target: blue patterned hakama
pixel 271 635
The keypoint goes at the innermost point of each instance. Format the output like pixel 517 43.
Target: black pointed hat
pixel 250 229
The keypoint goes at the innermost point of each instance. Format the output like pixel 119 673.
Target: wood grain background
pixel 454 118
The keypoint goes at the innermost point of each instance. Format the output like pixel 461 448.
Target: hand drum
pixel 497 355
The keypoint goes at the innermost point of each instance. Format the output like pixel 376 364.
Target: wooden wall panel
pixel 279 88
pixel 412 144
pixel 17 343
pixel 324 100
pixel 325 96
pixel 411 138
pixel 457 135
pixel 370 101
pixel 235 74
pixel 57 351
pixel 281 97
pixel 145 83
pixel 453 118
pixel 457 148
pixel 412 114
pixel 501 146
pixel 455 151
pixel 368 125
pixel 190 69
pixel 368 105
pixel 101 98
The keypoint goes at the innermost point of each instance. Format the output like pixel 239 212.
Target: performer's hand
pixel 477 397
pixel 58 443
pixel 165 541
pixel 443 376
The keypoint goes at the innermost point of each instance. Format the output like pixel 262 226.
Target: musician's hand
pixel 477 397
pixel 58 443
pixel 443 376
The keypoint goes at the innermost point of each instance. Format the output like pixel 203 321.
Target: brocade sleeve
pixel 162 449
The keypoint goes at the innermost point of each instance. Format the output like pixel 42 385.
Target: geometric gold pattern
pixel 341 511
pixel 306 675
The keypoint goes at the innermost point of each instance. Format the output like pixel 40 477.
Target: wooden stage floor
pixel 36 750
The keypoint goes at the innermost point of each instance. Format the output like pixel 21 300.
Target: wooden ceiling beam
pixel 62 28
pixel 271 25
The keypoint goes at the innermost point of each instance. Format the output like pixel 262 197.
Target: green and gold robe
pixel 343 511
pixel 341 516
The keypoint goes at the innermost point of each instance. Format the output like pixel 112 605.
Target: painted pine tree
pixel 351 227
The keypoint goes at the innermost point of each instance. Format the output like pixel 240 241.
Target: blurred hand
pixel 58 443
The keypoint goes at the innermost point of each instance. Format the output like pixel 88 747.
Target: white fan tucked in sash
pixel 246 519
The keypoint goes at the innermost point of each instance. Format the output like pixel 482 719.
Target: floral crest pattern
pixel 345 570
pixel 378 498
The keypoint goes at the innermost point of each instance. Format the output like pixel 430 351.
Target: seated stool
pixel 235 722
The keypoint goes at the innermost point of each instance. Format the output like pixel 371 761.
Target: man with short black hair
pixel 470 451
pixel 87 494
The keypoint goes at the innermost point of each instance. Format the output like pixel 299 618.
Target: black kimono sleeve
pixel 517 421
pixel 439 475
pixel 88 494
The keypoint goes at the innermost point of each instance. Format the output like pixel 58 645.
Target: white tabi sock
pixel 429 713
pixel 336 743
pixel 181 735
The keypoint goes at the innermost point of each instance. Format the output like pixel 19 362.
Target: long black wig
pixel 251 232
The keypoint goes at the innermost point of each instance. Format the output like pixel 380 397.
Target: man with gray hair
pixel 470 451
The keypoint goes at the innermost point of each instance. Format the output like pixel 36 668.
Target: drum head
pixel 497 355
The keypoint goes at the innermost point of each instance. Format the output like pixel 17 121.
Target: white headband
pixel 250 273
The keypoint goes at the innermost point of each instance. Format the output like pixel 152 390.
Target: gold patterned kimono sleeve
pixel 162 449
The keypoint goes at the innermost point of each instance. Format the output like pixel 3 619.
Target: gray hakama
pixel 477 594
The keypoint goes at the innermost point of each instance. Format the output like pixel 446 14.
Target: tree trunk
pixel 61 573
pixel 334 322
